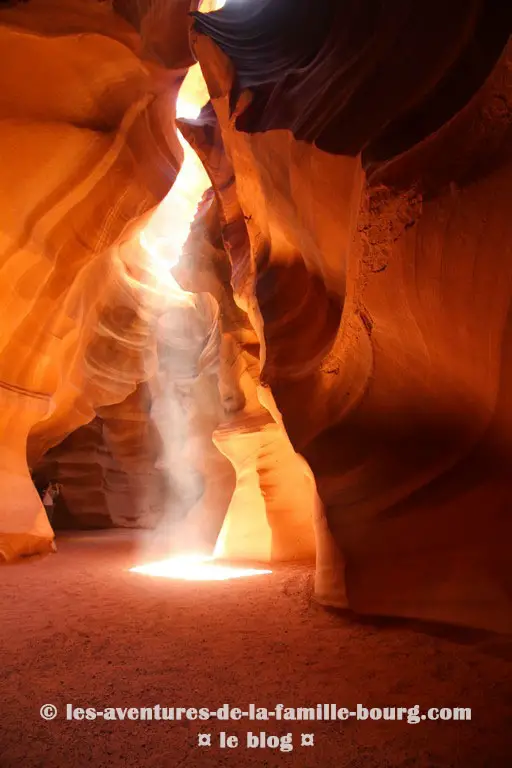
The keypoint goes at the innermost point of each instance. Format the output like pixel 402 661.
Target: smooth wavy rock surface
pixel 384 303
pixel 83 155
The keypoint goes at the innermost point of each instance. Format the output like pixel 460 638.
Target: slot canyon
pixel 255 359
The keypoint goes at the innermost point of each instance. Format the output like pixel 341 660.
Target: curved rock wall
pixel 83 155
pixel 400 407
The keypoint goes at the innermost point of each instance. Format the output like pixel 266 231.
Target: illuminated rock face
pixel 91 391
pixel 382 303
pixel 84 154
pixel 269 510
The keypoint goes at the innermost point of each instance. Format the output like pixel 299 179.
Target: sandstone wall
pixel 382 304
pixel 87 147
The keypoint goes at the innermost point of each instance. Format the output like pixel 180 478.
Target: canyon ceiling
pixel 333 349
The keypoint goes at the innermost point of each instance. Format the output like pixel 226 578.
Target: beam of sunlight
pixel 196 568
pixel 157 249
pixel 166 232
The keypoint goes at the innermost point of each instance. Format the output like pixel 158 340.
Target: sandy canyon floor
pixel 79 628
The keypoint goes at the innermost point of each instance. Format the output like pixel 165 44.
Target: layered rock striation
pixel 85 152
pixel 379 276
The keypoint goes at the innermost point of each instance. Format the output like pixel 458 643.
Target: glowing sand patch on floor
pixel 193 568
